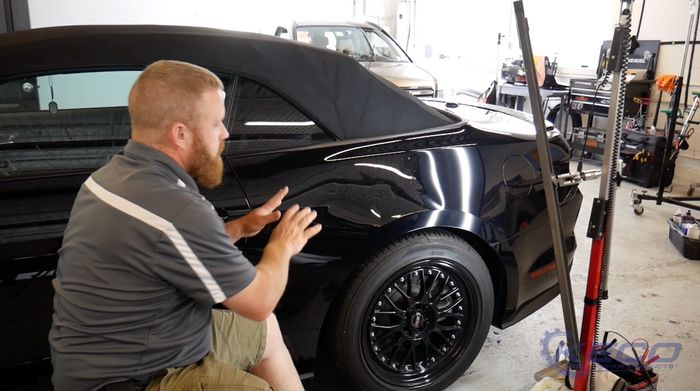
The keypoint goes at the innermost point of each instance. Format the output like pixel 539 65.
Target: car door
pixel 273 144
pixel 261 124
pixel 55 130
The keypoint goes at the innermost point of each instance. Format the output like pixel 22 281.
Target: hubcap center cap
pixel 417 320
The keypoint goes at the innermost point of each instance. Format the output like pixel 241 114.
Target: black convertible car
pixel 434 218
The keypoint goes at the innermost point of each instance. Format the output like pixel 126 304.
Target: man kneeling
pixel 145 257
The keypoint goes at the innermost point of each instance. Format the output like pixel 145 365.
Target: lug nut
pixel 371 334
pixel 379 303
pixel 402 279
pixel 388 290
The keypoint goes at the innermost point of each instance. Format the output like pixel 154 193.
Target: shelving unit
pixel 583 97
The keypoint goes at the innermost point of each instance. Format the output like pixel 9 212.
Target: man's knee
pixel 274 342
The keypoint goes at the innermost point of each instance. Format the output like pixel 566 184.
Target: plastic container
pixel 688 247
pixel 694 231
pixel 677 217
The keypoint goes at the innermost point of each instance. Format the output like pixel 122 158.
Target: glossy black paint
pixel 368 193
pixel 478 179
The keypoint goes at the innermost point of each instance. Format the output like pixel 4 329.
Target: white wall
pixel 242 15
pixel 664 20
pixel 382 12
pixel 466 31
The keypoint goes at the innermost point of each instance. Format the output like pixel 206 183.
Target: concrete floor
pixel 654 294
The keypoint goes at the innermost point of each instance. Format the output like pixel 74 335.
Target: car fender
pixel 468 227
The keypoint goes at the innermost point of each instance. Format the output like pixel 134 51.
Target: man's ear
pixel 180 136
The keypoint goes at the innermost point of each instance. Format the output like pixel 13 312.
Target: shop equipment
pixel 584 356
pixel 675 142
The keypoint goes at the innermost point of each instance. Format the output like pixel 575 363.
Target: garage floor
pixel 654 294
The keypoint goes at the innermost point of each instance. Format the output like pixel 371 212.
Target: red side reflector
pixel 544 270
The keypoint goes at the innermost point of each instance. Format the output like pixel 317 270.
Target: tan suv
pixel 372 47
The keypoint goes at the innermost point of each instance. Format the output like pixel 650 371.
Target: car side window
pixel 63 122
pixel 262 120
pixel 60 123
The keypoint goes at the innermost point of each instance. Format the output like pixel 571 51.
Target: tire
pixel 383 335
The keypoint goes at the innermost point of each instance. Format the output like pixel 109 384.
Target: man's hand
pixel 293 231
pixel 259 298
pixel 250 224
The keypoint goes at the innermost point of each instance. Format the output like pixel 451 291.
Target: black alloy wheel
pixel 414 317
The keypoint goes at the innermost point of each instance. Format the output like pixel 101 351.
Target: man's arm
pixel 258 299
pixel 250 224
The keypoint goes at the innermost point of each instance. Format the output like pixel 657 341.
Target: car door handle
pixel 223 214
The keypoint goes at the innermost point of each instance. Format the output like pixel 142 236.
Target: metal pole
pixel 602 216
pixel 693 4
pixel 548 184
pixel 670 134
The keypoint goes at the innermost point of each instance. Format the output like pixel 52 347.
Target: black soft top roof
pixel 335 90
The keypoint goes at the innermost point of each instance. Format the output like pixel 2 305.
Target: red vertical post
pixel 590 314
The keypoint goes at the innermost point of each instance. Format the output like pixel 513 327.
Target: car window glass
pixel 262 120
pixel 347 40
pixel 384 48
pixel 64 122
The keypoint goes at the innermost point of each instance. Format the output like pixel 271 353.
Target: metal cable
pixel 641 18
pixel 625 25
pixel 589 121
pixel 692 54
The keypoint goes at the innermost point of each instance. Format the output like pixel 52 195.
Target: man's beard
pixel 206 170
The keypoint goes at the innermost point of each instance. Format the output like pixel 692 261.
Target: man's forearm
pixel 274 263
pixel 259 299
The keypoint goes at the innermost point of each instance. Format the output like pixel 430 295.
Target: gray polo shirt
pixel 144 258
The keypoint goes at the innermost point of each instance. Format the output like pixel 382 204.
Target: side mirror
pixel 281 30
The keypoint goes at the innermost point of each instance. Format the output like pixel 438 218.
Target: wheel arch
pixel 495 265
pixel 463 225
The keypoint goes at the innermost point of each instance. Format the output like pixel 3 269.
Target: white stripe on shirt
pixel 167 228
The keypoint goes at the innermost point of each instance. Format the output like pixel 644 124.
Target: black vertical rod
pixel 553 210
pixel 670 133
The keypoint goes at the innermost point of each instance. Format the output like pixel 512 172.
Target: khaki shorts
pixel 237 345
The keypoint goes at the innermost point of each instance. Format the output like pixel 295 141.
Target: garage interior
pixel 654 289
